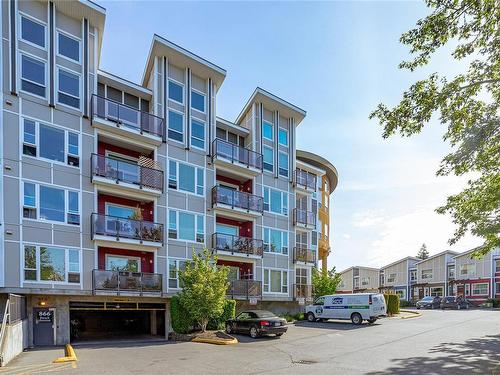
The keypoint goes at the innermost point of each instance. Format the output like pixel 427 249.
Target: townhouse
pixel 108 186
pixel 434 275
pixel 359 280
pixel 399 276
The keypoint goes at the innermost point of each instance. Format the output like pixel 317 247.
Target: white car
pixel 356 307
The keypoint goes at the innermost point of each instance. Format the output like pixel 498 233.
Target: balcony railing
pixel 237 244
pixel 122 282
pixel 245 289
pixel 236 154
pixel 237 199
pixel 126 171
pixel 303 291
pixel 304 255
pixel 128 116
pixel 117 227
pixel 304 179
pixel 304 217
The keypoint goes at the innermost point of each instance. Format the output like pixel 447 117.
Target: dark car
pixel 257 323
pixel 454 302
pixel 429 302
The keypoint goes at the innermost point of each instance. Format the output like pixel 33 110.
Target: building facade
pixel 359 280
pixel 108 186
pixel 434 275
pixel 398 277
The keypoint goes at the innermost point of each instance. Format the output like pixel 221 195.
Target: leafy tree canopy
pixel 325 283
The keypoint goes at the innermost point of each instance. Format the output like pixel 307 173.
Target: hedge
pixel 181 322
pixel 228 313
pixel 392 303
pixel 495 302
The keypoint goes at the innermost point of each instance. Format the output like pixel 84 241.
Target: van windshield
pixel 320 301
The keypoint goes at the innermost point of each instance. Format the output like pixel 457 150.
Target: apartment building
pixel 434 275
pixel 359 280
pixel 108 186
pixel 399 276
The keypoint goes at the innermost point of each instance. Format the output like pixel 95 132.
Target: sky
pixel 337 61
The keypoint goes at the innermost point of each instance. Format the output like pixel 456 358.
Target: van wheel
pixel 356 319
pixel 310 317
pixel 371 321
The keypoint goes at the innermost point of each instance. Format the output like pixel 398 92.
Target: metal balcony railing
pixel 237 244
pixel 235 153
pixel 245 289
pixel 305 179
pixel 303 291
pixel 128 116
pixel 126 171
pixel 304 255
pixel 117 227
pixel 238 199
pixel 122 282
pixel 304 217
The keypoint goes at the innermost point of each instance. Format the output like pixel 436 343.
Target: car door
pixel 242 322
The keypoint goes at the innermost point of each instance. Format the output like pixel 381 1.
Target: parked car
pixel 356 307
pixel 429 302
pixel 257 323
pixel 454 302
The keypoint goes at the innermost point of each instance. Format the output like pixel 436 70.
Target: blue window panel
pixel 175 92
pixel 33 32
pixel 186 178
pixel 29 132
pixel 283 137
pixel 175 126
pixel 186 226
pixel 268 159
pixel 198 134
pixel 32 76
pixel 69 47
pixel 198 101
pixel 267 130
pixel 29 194
pixel 52 204
pixel 72 143
pixel 276 201
pixel 51 143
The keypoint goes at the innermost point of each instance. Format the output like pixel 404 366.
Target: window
pixel 198 101
pixel 185 177
pixel 32 31
pixel 283 164
pixel 451 272
pixel 497 288
pixel 176 126
pixel 391 278
pixel 174 266
pixel 33 76
pixel 186 226
pixel 497 265
pixel 283 137
pixel 275 281
pixel 52 143
pixel 267 130
pixel 68 47
pixel 365 281
pixel 69 89
pixel 436 292
pixel 356 282
pixel 52 204
pixel 268 158
pixel 49 264
pixel 426 274
pixel 198 134
pixel 29 202
pixel 73 208
pixel 468 269
pixel 123 263
pixel 275 201
pixel 480 289
pixel 73 158
pixel 413 275
pixel 176 92
pixel 401 293
pixel 275 241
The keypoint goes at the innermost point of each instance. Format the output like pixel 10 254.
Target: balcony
pixel 237 245
pixel 127 121
pixel 134 178
pixel 115 231
pixel 245 289
pixel 304 180
pixel 232 157
pixel 303 292
pixel 126 283
pixel 303 255
pixel 304 219
pixel 239 202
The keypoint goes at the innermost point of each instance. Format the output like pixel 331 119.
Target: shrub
pixel 229 312
pixel 392 302
pixel 181 322
pixel 404 303
pixel 495 302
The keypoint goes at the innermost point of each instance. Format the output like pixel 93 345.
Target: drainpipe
pixel 492 277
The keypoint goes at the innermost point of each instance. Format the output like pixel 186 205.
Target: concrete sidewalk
pixel 36 361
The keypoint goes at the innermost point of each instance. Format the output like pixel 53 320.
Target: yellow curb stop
pixel 70 355
pixel 415 314
pixel 215 341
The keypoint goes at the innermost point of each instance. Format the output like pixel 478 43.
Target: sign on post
pixel 253 301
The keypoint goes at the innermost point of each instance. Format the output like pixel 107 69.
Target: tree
pixel 423 253
pixel 468 104
pixel 204 288
pixel 325 283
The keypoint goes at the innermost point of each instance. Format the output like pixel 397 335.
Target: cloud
pixel 346 236
pixel 367 218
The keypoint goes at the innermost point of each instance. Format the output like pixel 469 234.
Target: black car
pixel 257 323
pixel 429 302
pixel 454 302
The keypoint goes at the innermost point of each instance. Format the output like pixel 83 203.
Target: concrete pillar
pixel 152 320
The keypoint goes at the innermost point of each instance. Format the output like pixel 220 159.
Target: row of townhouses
pixel 443 274
pixel 108 186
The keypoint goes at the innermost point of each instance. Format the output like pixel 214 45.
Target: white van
pixel 356 307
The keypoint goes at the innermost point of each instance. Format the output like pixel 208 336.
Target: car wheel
pixel 418 307
pixel 279 334
pixel 228 328
pixel 432 307
pixel 310 317
pixel 356 319
pixel 253 332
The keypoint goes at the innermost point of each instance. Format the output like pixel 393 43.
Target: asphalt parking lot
pixel 439 342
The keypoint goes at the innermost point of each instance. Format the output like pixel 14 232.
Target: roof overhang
pixel 228 125
pixel 123 84
pixel 182 57
pixel 322 163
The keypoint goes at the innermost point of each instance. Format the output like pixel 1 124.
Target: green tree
pixel 325 283
pixel 204 288
pixel 467 104
pixel 423 253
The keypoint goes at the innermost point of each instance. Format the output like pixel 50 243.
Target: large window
pixel 44 141
pixel 33 75
pixel 198 134
pixel 275 201
pixel 268 158
pixel 275 281
pixel 176 92
pixel 185 177
pixel 68 88
pixel 174 266
pixel 401 293
pixel 51 264
pixel 365 281
pixel 283 137
pixel 468 269
pixel 497 288
pixel 32 31
pixel 267 130
pixel 283 164
pixel 68 46
pixel 275 241
pixel 198 101
pixel 497 265
pixel 176 126
pixel 426 274
pixel 50 203
pixel 480 289
pixel 391 278
pixel 186 226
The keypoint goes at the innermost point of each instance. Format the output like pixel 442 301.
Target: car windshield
pixel 264 314
pixel 427 298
